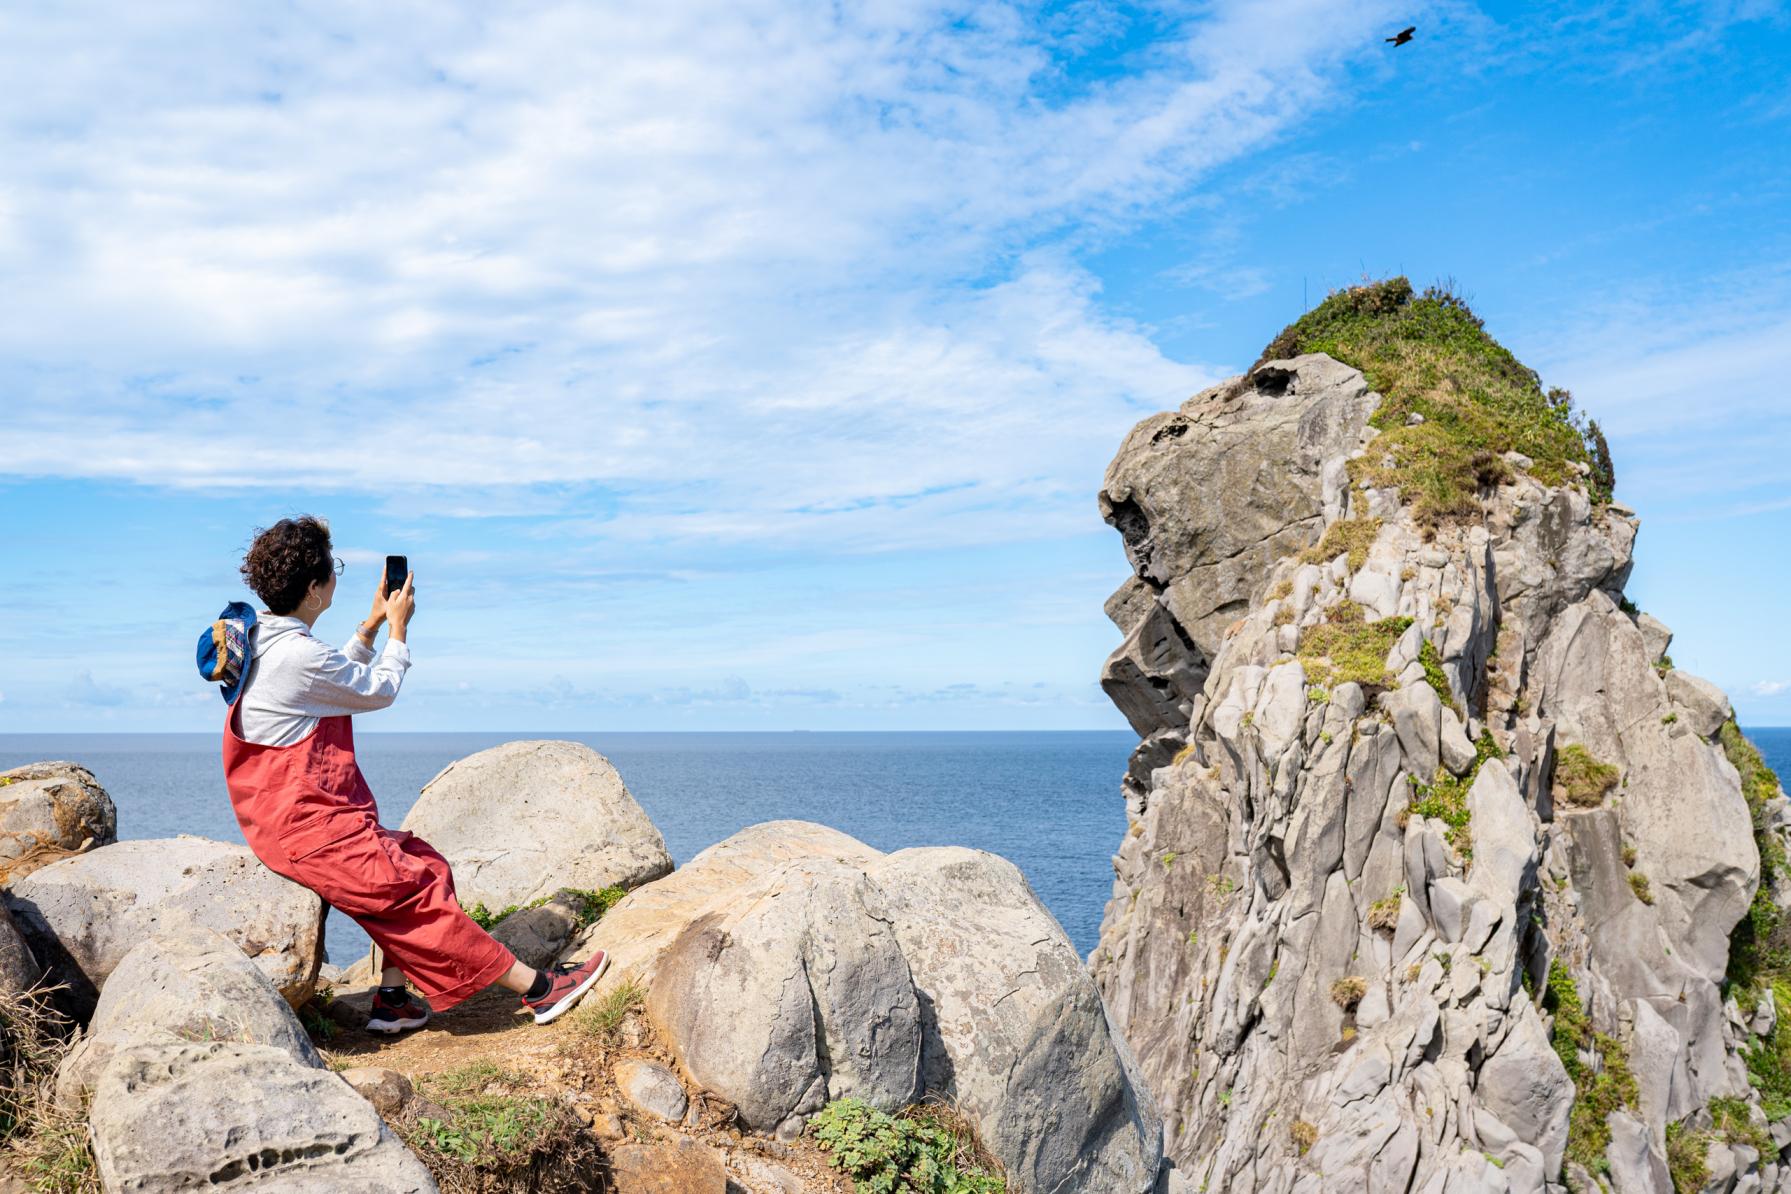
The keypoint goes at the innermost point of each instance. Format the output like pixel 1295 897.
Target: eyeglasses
pixel 339 565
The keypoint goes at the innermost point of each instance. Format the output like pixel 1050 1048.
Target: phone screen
pixel 397 568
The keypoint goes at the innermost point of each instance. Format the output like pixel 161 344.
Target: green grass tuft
pixel 588 906
pixel 1580 779
pixel 1758 951
pixel 1429 355
pixel 1602 1086
pixel 1344 649
pixel 1349 536
pixel 601 1017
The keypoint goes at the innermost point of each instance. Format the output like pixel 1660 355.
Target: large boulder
pixel 184 984
pixel 521 820
pixel 1015 1033
pixel 83 914
pixel 200 1114
pixel 791 965
pixel 19 971
pixel 49 811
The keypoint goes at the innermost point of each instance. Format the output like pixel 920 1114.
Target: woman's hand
pixel 400 606
pixel 378 614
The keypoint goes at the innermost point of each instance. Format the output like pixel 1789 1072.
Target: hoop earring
pixel 312 602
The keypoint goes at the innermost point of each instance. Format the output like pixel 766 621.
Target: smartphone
pixel 397 568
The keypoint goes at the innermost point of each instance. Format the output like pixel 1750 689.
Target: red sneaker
pixel 396 1015
pixel 567 984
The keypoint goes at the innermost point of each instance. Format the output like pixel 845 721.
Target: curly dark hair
pixel 285 558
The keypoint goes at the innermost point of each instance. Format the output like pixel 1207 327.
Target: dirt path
pixel 569 1062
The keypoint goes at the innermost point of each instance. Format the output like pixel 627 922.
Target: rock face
pixel 791 965
pixel 83 914
pixel 49 811
pixel 1341 897
pixel 201 1076
pixel 184 984
pixel 523 819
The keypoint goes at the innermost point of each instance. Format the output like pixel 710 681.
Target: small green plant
pixel 1445 799
pixel 1638 883
pixel 924 1151
pixel 1168 859
pixel 1347 992
pixel 1758 951
pixel 1580 779
pixel 1434 674
pixel 588 906
pixel 1344 648
pixel 1686 1153
pixel 1317 695
pixel 1601 1086
pixel 1663 665
pixel 604 1016
pixel 1304 1135
pixel 1220 884
pixel 1349 536
pixel 1225 1098
pixel 1669 719
pixel 1629 855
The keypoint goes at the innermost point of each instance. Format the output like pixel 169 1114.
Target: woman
pixel 307 812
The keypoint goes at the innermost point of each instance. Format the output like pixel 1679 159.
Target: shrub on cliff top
pixel 1429 355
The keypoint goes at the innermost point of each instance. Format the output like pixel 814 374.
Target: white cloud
pixel 755 266
pixel 1770 688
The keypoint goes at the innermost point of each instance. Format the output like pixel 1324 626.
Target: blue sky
pixel 754 366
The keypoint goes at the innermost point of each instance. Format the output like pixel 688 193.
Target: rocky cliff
pixel 1438 875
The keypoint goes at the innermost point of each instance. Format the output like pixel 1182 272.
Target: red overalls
pixel 309 815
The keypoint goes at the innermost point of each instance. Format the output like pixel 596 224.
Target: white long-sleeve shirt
pixel 297 678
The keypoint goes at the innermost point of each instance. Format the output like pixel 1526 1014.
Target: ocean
pixel 1049 801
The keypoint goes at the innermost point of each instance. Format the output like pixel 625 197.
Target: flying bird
pixel 1404 35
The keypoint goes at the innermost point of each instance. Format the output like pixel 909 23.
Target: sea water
pixel 1049 801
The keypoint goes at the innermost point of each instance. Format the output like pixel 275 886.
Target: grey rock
pixel 1016 1033
pixel 1656 638
pixel 652 1088
pixel 1701 705
pixel 1636 1166
pixel 49 811
pixel 1457 751
pixel 1208 497
pixel 185 984
pixel 1129 603
pixel 522 820
pixel 1417 715
pixel 192 1115
pixel 19 971
pixel 1155 674
pixel 1525 1085
pixel 539 935
pixel 83 914
pixel 387 1090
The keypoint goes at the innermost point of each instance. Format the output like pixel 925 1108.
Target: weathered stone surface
pixel 1016 1034
pixel 524 819
pixel 652 1088
pixel 1265 439
pixel 1700 704
pixel 539 935
pixel 83 914
pixel 19 971
pixel 49 811
pixel 683 1166
pixel 197 1115
pixel 790 965
pixel 184 984
pixel 1525 1085
pixel 1155 674
pixel 386 1089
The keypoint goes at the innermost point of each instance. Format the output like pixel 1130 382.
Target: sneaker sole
pixel 390 1027
pixel 571 997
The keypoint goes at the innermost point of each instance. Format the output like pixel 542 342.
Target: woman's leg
pixel 518 978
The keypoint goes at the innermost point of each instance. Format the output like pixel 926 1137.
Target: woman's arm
pixel 342 684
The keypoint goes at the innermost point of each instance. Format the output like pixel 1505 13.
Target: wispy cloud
pixel 745 267
pixel 1770 688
